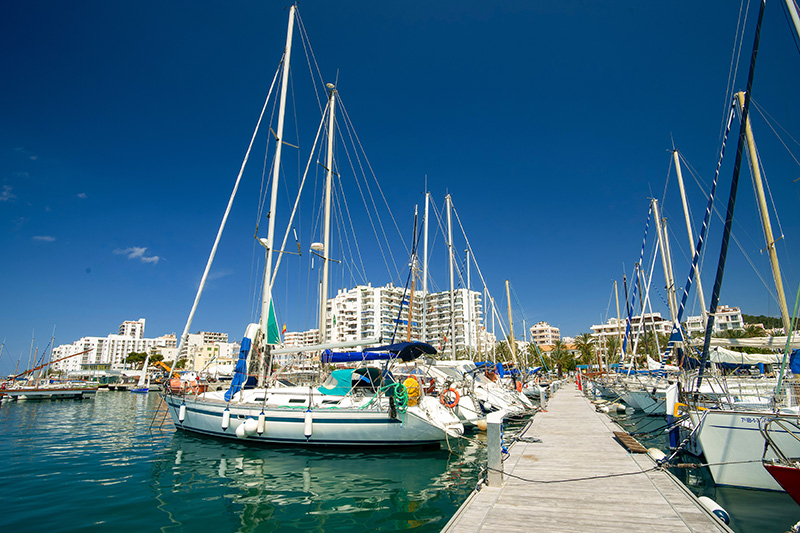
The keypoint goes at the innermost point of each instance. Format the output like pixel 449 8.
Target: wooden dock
pixel 545 486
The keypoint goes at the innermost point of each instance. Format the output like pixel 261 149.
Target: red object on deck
pixel 787 477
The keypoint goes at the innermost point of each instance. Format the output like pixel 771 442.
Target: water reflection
pixel 293 488
pixel 81 465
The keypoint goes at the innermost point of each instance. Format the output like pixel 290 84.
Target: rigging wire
pixel 359 152
pixel 792 28
pixel 741 230
pixel 736 52
pixel 764 114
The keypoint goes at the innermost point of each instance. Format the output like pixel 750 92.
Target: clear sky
pixel 123 127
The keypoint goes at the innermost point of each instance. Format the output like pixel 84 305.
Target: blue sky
pixel 550 124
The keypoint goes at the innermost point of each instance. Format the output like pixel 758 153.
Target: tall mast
pixel 323 298
pixel 666 262
pixel 762 207
pixel 677 160
pixel 468 312
pixel 511 340
pixel 619 321
pixel 791 7
pixel 413 276
pixel 449 202
pixel 425 275
pixel 266 299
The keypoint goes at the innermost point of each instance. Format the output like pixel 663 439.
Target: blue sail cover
pixel 240 375
pixel 794 362
pixel 329 356
pixel 405 351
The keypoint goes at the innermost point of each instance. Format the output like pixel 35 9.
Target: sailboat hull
pixel 733 447
pixel 354 427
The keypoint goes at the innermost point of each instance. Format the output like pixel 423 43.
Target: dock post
pixel 494 453
pixel 542 397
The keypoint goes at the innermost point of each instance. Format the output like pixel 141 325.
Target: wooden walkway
pixel 578 442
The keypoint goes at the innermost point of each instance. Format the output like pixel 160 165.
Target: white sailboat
pixel 357 407
pixel 730 435
pixel 143 385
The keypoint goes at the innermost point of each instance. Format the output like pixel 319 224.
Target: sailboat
pixel 143 385
pixel 729 436
pixel 358 407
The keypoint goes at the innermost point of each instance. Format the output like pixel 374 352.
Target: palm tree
pixel 754 331
pixel 535 357
pixel 585 344
pixel 612 349
pixel 562 357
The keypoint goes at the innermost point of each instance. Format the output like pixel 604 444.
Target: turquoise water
pixel 751 511
pixel 94 464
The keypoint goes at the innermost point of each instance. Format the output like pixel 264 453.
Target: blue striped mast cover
pixel 633 293
pixel 677 334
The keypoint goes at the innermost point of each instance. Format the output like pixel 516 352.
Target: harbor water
pixel 96 464
pixel 751 511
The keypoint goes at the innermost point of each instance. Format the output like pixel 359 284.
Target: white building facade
pixel 367 312
pixel 543 333
pixel 112 351
pixel 725 319
pixel 616 329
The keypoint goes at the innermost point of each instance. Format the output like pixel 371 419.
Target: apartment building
pixel 365 312
pixel 725 319
pixel 111 351
pixel 613 328
pixel 543 333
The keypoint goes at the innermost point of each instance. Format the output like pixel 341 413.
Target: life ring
pixel 431 387
pixel 519 386
pixel 443 398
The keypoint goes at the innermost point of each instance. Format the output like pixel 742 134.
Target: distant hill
pixel 769 322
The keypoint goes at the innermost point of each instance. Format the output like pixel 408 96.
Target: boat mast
pixel 468 312
pixel 726 232
pixel 269 244
pixel 762 207
pixel 666 262
pixel 413 276
pixel 425 274
pixel 791 7
pixel 700 295
pixel 511 342
pixel 323 299
pixel 449 202
pixel 619 326
pixel 266 299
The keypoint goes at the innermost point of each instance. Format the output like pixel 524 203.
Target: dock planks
pixel 577 443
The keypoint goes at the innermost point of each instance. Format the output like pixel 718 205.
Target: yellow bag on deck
pixel 412 386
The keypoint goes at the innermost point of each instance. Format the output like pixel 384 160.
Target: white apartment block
pixel 112 350
pixel 543 333
pixel 366 312
pixel 383 312
pixel 725 319
pixel 131 328
pixel 613 328
pixel 301 338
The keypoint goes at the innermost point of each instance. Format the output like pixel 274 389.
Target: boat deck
pixel 545 486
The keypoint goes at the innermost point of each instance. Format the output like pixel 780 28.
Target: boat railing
pixel 717 396
pixel 784 426
pixel 789 394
